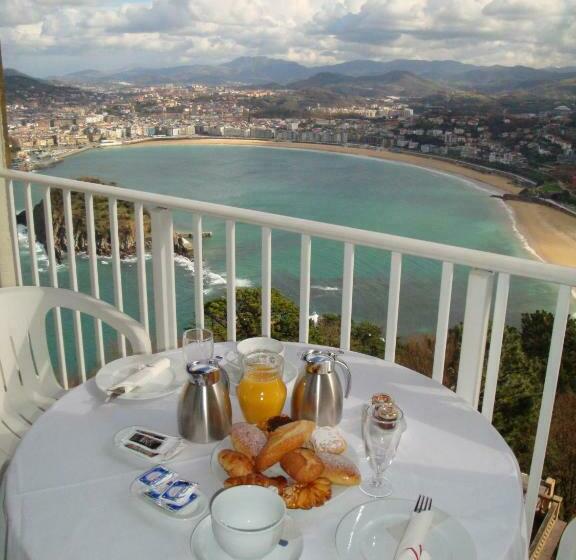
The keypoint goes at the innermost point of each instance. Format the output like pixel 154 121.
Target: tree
pixel 284 317
pixel 536 336
pixel 517 397
pixel 365 337
pixel 561 457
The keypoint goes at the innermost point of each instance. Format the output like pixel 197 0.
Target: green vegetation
pixel 521 376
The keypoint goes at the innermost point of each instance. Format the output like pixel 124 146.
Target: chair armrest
pixel 121 322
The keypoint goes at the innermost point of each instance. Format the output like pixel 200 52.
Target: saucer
pixel 204 545
pixel 234 369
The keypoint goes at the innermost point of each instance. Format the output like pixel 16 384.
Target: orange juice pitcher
pixel 261 391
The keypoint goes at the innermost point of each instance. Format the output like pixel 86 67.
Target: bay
pixel 360 192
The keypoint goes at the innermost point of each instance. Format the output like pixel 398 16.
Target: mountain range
pixel 360 78
pixel 260 70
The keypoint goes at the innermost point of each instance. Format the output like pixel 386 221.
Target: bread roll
pixel 247 438
pixel 283 440
pixel 302 465
pixel 235 463
pixel 327 439
pixel 306 496
pixel 274 422
pixel 257 479
pixel 338 469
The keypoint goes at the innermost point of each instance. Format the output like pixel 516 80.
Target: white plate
pixel 373 530
pixel 277 470
pixel 164 383
pixel 234 369
pixel 205 547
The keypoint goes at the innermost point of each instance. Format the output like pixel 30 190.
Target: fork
pixel 424 503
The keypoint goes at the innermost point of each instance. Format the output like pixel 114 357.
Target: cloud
pixel 72 34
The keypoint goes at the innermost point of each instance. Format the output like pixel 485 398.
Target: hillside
pixel 396 83
pixel 21 88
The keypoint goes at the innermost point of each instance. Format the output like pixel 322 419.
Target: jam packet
pixel 148 444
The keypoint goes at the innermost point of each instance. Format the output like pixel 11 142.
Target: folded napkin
pixel 142 376
pixel 410 546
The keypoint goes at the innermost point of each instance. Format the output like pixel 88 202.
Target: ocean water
pixel 354 191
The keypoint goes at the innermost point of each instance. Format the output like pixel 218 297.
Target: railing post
pixel 163 278
pixel 473 347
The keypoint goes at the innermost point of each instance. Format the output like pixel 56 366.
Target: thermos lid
pixel 318 356
pixel 204 372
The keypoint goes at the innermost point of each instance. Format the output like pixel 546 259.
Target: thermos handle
pixel 348 376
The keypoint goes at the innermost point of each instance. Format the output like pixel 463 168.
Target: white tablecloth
pixel 67 487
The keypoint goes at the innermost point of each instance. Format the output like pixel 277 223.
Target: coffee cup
pixel 247 521
pixel 258 344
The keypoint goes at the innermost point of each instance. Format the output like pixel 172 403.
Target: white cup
pixel 247 521
pixel 257 344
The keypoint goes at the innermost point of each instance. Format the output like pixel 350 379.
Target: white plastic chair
pixel 28 385
pixel 567 547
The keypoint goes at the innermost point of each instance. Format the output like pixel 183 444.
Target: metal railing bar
pixel 305 258
pixel 414 247
pixel 71 250
pixel 198 271
pixel 266 281
pixel 347 291
pixel 393 306
pixel 547 406
pixel 94 283
pixel 141 264
pixel 496 338
pixel 53 272
pixel 231 280
pixel 443 321
pixel 31 227
pixel 14 231
pixel 116 266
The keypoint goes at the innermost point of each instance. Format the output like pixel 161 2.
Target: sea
pixel 356 191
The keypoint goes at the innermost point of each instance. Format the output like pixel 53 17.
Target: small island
pixel 126 226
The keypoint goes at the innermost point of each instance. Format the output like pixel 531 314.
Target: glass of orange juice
pixel 261 391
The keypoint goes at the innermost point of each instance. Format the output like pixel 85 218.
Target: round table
pixel 67 487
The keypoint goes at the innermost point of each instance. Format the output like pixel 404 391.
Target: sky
pixel 54 37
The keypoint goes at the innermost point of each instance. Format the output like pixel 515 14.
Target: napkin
pixel 410 546
pixel 142 376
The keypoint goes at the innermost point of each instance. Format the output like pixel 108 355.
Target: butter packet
pixel 178 495
pixel 155 480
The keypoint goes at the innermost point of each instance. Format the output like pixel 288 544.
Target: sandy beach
pixel 550 233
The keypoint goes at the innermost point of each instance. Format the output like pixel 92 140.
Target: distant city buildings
pixel 41 134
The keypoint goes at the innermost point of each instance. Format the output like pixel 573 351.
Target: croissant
pixel 235 463
pixel 257 479
pixel 306 496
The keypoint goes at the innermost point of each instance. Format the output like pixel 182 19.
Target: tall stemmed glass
pixel 382 429
pixel 197 344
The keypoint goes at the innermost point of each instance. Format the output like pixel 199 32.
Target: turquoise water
pixel 360 192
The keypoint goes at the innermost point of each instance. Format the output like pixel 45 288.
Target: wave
pixel 326 288
pixel 519 234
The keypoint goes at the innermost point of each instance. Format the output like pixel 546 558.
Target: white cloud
pixel 72 34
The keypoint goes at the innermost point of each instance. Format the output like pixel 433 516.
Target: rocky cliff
pixel 126 225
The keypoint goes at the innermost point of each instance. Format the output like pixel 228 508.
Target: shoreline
pixel 548 234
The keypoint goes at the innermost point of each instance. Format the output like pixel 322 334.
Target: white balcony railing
pixel 488 272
